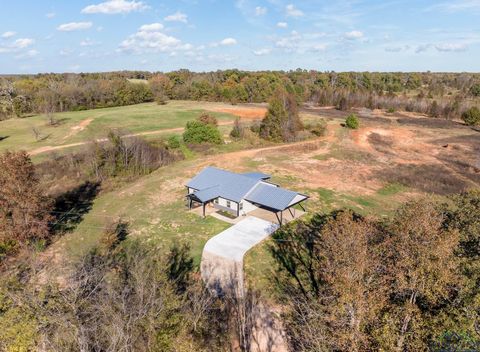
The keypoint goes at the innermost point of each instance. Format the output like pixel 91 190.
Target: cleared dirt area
pixel 243 111
pixel 423 157
pixel 79 128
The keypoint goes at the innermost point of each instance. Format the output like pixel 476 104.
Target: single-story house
pixel 240 194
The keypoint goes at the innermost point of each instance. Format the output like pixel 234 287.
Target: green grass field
pixel 155 210
pixel 18 133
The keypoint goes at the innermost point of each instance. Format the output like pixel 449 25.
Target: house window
pixel 228 204
pixel 240 206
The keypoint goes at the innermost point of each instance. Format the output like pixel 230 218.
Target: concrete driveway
pixel 222 258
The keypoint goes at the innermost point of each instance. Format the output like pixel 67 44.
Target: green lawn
pixel 155 210
pixel 132 119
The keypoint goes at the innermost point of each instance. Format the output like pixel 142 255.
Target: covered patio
pixel 277 201
pixel 272 217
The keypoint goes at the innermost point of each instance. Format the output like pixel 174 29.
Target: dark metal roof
pixel 207 194
pixel 232 186
pixel 271 196
pixel 212 182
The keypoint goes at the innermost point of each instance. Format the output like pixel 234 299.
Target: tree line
pixel 446 95
pixel 408 283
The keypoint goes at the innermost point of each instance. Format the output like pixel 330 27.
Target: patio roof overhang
pixel 205 195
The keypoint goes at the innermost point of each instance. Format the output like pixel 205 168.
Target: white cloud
pixel 177 17
pixel 261 52
pixel 65 52
pixel 50 15
pixel 151 27
pixel 456 47
pixel 292 11
pixel 397 49
pixel 282 24
pixel 8 34
pixel 260 11
pixel 87 42
pixel 318 47
pixel 393 49
pixel 17 46
pixel 74 26
pixel 423 47
pixel 149 38
pixel 290 42
pixel 300 43
pixel 353 35
pixel 228 41
pixel 22 43
pixel 27 55
pixel 113 7
pixel 457 6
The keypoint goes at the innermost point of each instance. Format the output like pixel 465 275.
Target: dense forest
pixel 446 95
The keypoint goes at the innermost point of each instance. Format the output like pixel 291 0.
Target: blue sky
pixel 344 35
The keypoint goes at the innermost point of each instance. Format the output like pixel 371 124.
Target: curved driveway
pixel 222 258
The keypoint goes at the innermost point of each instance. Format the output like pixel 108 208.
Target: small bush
pixel 472 116
pixel 197 132
pixel 352 122
pixel 208 119
pixel 161 100
pixel 343 104
pixel 318 128
pixel 475 90
pixel 434 109
pixel 113 234
pixel 173 142
pixel 255 127
pixel 237 130
pixel 391 110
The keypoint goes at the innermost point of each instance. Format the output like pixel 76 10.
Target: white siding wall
pixel 190 190
pixel 247 207
pixel 223 203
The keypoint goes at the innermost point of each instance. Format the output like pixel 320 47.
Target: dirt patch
pixel 253 113
pixel 78 128
pixel 381 143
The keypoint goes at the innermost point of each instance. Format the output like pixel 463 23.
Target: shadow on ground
pixel 70 207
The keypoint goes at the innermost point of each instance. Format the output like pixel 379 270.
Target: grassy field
pixel 81 126
pixel 155 210
pixel 342 169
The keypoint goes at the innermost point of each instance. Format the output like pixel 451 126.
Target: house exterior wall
pixel 190 190
pixel 222 205
pixel 247 207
